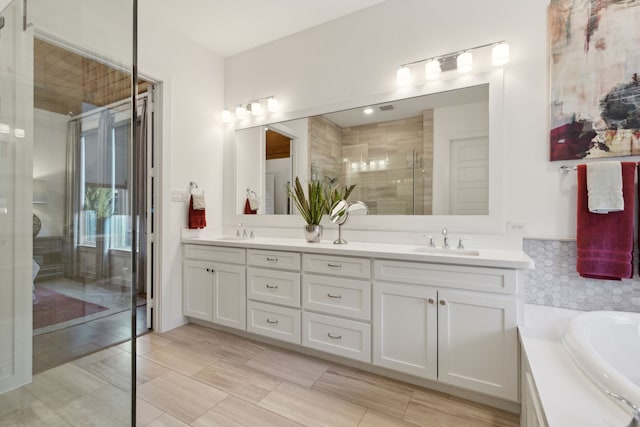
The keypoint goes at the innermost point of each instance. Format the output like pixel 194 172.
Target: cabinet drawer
pixel 215 253
pixel 274 286
pixel 460 277
pixel 275 259
pixel 346 338
pixel 337 265
pixel 342 297
pixel 272 321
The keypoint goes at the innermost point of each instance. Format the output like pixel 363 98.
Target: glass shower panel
pixel 16 142
pixel 66 208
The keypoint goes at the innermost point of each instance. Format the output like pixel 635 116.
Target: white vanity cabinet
pixel 273 290
pixel 336 301
pixel 214 285
pixel 456 325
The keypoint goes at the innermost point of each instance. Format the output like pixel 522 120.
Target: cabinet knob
pixel 208 270
pixel 443 302
pixel 431 301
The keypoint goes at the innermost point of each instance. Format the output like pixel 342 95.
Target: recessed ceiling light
pixel 368 110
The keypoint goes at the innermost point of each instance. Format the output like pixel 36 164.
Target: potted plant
pixel 311 206
pixel 334 193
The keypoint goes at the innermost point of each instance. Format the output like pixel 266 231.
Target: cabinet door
pixel 477 342
pixel 197 299
pixel 405 328
pixel 229 295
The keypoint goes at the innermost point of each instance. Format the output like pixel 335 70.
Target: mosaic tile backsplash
pixel 555 282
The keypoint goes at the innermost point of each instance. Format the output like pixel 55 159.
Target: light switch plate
pixel 178 195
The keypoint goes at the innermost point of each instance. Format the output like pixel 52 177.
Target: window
pixel 105 186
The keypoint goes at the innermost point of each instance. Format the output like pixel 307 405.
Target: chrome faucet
pixel 240 231
pixel 445 234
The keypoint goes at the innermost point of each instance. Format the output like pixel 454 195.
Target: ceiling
pixel 67 83
pixel 230 27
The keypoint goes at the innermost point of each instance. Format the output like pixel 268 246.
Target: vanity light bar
pixel 250 108
pixel 462 59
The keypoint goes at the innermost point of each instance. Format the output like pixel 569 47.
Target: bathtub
pixel 605 345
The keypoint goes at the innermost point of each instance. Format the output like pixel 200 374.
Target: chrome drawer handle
pixel 271 287
pixel 273 322
pixel 334 265
pixel 272 259
pixel 335 337
pixel 334 296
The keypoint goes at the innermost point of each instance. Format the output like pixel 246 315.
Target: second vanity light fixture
pixel 461 60
pixel 252 108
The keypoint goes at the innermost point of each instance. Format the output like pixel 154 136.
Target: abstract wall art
pixel 594 78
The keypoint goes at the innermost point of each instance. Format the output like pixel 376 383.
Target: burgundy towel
pixel 247 208
pixel 605 241
pixel 197 218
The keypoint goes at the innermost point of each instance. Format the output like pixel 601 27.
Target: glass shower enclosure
pixel 68 212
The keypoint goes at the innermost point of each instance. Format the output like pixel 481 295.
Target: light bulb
pixel 464 62
pixel 403 76
pixel 273 105
pixel 432 69
pixel 5 128
pixel 500 54
pixel 19 133
pixel 368 110
pixel 225 116
pixel 256 109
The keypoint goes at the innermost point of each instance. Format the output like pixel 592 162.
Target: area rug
pixel 51 307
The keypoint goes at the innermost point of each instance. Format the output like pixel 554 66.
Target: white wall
pixel 191 149
pixel 49 164
pixel 357 56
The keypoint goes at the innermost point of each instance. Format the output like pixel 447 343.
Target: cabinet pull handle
pixel 271 286
pixel 443 302
pixel 335 337
pixel 334 265
pixel 334 296
pixel 430 300
pixel 272 259
pixel 273 322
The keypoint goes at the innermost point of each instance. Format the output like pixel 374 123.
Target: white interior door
pixel 469 176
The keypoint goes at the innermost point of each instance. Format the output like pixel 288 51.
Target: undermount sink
pixel 443 251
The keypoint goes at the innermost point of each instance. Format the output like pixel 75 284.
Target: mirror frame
pixel 493 223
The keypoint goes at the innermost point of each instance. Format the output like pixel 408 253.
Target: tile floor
pixel 195 376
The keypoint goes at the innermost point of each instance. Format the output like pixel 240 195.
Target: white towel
pixel 198 201
pixel 604 187
pixel 254 203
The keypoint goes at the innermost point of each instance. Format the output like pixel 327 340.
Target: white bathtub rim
pixel 591 363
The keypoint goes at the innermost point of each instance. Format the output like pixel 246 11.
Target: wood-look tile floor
pixel 195 376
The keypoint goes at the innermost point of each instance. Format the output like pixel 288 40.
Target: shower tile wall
pixel 555 282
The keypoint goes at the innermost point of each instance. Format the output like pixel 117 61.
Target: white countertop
pixel 568 397
pixel 485 258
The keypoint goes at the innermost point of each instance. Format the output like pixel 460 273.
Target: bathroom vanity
pixel 442 318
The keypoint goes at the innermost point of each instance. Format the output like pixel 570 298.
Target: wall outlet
pixel 178 195
pixel 516 228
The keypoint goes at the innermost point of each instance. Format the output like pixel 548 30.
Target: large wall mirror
pixel 431 153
